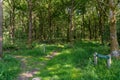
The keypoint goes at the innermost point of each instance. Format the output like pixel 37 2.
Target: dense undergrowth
pixel 73 62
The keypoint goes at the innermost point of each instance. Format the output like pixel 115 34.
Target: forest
pixel 59 39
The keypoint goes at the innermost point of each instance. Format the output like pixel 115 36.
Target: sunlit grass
pixel 72 62
pixel 9 68
pixel 76 63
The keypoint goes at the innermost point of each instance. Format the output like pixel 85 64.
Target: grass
pixel 74 62
pixel 9 68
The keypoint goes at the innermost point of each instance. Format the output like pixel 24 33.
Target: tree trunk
pixel 50 20
pixel 12 25
pixel 41 28
pixel 113 32
pixel 83 27
pixel 12 21
pixel 71 24
pixel 89 28
pixel 1 17
pixel 30 22
pixel 101 22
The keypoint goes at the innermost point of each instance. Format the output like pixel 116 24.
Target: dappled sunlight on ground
pixel 63 62
pixel 32 65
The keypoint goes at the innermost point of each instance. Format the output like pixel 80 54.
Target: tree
pixel 30 21
pixel 12 21
pixel 71 21
pixel 1 27
pixel 111 4
pixel 113 32
pixel 12 7
pixel 48 20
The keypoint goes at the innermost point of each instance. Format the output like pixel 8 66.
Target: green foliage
pixel 72 62
pixel 18 44
pixel 9 47
pixel 91 19
pixel 51 22
pixel 76 63
pixel 9 68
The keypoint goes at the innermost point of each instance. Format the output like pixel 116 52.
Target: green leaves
pixel 21 7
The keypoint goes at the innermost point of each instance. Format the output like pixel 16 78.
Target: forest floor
pixel 59 62
pixel 27 71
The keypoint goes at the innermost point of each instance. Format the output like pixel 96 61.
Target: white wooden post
pixel 95 58
pixel 109 61
pixel 44 48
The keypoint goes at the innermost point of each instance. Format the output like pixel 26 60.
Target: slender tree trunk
pixel 95 32
pixel 102 28
pixel 34 29
pixel 101 24
pixel 30 22
pixel 22 21
pixel 90 31
pixel 113 32
pixel 50 20
pixel 1 17
pixel 13 25
pixel 41 28
pixel 71 24
pixel 102 16
pixel 12 21
pixel 83 27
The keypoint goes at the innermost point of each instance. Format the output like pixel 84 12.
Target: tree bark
pixel 12 20
pixel 1 17
pixel 113 32
pixel 41 28
pixel 50 21
pixel 30 22
pixel 89 28
pixel 71 24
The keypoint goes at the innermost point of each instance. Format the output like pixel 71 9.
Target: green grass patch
pixel 74 61
pixel 9 68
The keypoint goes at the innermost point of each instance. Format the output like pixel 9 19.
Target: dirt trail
pixel 29 74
